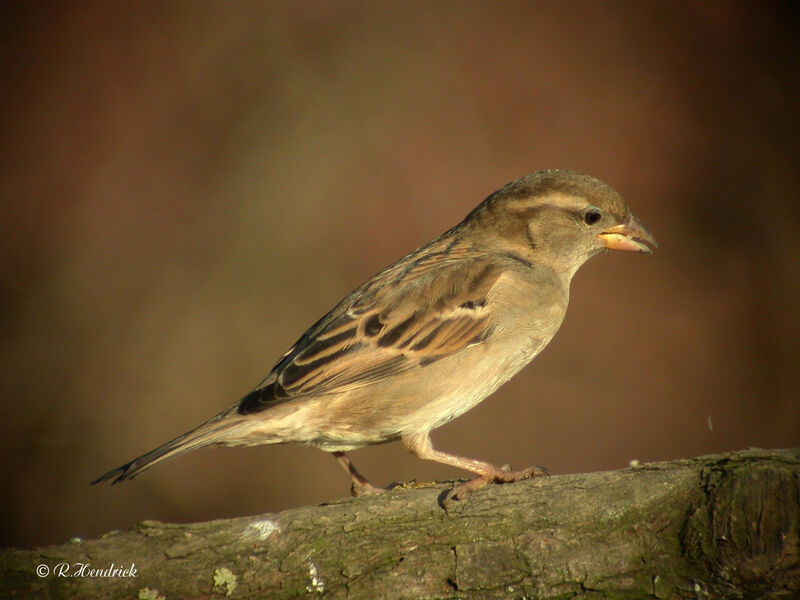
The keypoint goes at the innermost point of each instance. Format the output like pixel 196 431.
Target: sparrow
pixel 431 335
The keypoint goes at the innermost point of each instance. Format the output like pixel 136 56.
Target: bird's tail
pixel 220 429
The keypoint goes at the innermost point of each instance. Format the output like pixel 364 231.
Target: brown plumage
pixel 431 335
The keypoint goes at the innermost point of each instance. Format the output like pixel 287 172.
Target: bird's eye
pixel 592 216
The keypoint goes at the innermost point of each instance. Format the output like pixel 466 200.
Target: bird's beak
pixel 631 236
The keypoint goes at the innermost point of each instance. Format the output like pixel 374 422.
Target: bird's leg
pixel 359 485
pixel 420 445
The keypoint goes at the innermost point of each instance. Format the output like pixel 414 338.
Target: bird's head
pixel 562 218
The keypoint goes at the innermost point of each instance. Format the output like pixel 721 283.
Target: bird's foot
pixel 364 488
pixel 504 475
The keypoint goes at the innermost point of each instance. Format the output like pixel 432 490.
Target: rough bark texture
pixel 722 526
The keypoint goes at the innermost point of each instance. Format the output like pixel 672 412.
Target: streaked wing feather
pixel 429 311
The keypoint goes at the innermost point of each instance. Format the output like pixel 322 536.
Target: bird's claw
pixel 505 475
pixel 358 489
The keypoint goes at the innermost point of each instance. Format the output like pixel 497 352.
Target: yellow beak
pixel 631 236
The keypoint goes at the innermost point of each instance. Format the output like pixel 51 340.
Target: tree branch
pixel 721 526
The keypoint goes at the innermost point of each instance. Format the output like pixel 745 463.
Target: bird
pixel 430 336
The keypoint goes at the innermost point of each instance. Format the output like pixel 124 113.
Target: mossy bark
pixel 721 526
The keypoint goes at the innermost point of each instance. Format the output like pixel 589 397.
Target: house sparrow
pixel 431 335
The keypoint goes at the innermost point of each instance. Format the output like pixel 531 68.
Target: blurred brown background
pixel 187 186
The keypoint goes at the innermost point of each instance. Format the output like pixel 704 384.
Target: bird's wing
pixel 406 317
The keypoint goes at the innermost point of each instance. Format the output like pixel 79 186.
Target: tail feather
pixel 217 430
